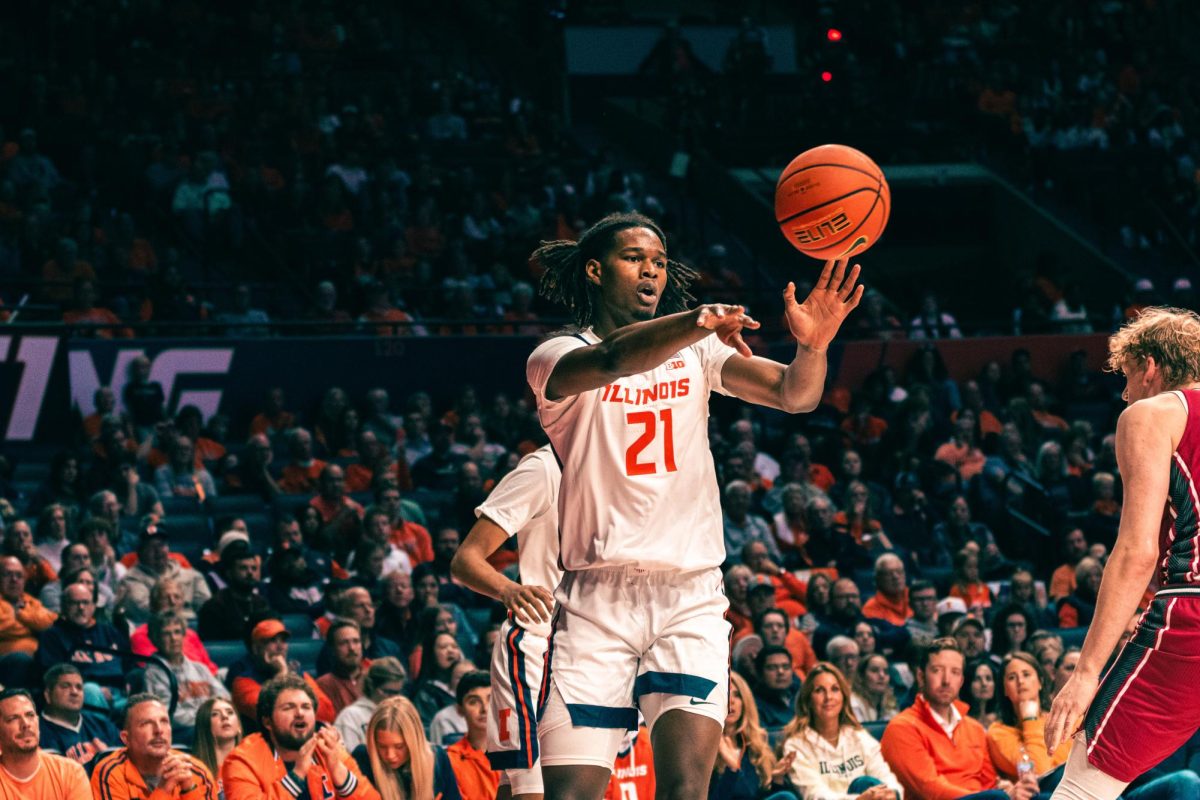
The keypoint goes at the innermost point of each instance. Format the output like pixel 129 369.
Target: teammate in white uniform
pixel 524 504
pixel 640 611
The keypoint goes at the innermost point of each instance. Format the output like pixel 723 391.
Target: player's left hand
pixel 1069 706
pixel 528 603
pixel 815 322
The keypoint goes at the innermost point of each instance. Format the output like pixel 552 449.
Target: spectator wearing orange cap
pixel 268 659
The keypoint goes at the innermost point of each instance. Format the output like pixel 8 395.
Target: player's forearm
pixel 643 346
pixel 1126 577
pixel 471 568
pixel 804 379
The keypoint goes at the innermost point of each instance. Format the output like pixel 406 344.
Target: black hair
pixel 762 615
pixel 769 650
pixel 565 280
pixel 475 679
pixel 57 671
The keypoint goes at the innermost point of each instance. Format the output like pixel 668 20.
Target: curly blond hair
pixel 1171 336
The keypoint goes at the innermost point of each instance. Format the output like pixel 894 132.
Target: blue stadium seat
pixel 175 506
pixel 189 528
pixel 290 503
pixel 224 653
pixel 300 626
pixel 1072 637
pixel 262 528
pixel 236 505
pixel 33 471
pixel 305 651
pixel 876 729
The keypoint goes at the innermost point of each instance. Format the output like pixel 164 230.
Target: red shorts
pixel 1148 704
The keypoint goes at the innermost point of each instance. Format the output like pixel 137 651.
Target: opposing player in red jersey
pixel 1147 705
pixel 640 612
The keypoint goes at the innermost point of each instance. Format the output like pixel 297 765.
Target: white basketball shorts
pixel 626 638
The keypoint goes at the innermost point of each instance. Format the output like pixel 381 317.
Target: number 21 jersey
pixel 638 483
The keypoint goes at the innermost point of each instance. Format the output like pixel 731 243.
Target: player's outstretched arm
pixel 799 385
pixel 642 346
pixel 470 566
pixel 1144 447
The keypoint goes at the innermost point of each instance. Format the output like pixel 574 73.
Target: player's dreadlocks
pixel 565 280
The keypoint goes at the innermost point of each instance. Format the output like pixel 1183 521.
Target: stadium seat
pixel 876 729
pixel 305 651
pixel 300 626
pixel 175 506
pixel 262 528
pixel 33 471
pixel 224 653
pixel 290 503
pixel 236 505
pixel 1071 637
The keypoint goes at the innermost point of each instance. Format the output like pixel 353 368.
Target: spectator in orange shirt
pixel 59 273
pixel 962 452
pixel 738 580
pixel 890 601
pixel 341 517
pixel 105 401
pixel 633 771
pixel 1077 609
pixel 789 590
pixel 1075 547
pixel 384 319
pixel 22 618
pixel 85 313
pixel 268 660
pixel 274 419
pixel 967 585
pixel 301 474
pixel 1039 407
pixel 972 400
pixel 26 771
pixel 476 778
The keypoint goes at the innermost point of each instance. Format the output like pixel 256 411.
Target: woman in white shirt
pixel 833 758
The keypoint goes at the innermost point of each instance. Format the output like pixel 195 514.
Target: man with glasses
pixel 78 638
pixel 22 618
pixel 776 687
pixel 922 625
pixel 891 601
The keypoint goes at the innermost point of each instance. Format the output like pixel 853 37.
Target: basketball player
pixel 640 611
pixel 524 504
pixel 1147 705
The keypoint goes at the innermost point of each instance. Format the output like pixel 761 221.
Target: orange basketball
pixel 832 201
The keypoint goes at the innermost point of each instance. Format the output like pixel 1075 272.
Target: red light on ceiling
pixel 827 76
pixel 833 35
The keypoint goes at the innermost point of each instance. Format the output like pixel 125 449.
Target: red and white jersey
pixel 639 487
pixel 524 504
pixel 1179 536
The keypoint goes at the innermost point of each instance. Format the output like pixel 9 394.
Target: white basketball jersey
pixel 638 482
pixel 525 503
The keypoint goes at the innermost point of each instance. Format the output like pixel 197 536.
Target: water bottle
pixel 1024 765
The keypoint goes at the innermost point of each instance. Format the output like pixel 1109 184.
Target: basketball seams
pixel 837 199
pixel 782 178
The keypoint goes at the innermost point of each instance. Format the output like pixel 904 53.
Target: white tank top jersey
pixel 639 487
pixel 524 503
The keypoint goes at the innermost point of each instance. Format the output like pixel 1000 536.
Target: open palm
pixel 815 322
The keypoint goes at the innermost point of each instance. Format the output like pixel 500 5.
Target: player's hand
pixel 329 745
pixel 815 322
pixel 528 603
pixel 1070 704
pixel 727 322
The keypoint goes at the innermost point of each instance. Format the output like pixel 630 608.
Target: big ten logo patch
pixel 822 228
